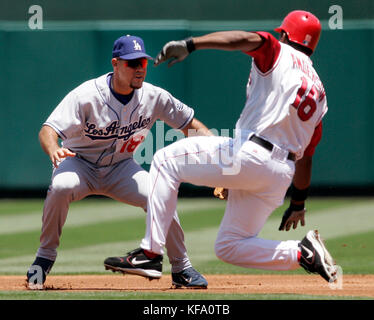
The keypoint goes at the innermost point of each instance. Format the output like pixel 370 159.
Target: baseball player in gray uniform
pixel 101 123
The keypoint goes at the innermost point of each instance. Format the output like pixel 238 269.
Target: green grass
pixel 355 253
pixel 97 228
pixel 19 206
pixel 194 295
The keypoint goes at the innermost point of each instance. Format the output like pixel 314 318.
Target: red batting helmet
pixel 301 27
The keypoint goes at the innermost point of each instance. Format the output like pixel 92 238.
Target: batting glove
pixel 292 216
pixel 176 50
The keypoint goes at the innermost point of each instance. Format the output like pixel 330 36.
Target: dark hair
pixel 301 48
pixel 298 46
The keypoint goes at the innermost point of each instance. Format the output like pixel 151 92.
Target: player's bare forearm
pixel 177 51
pixel 196 128
pixel 49 142
pixel 299 192
pixel 229 40
pixel 303 173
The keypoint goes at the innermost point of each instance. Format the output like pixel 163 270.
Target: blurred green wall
pixel 39 67
pixel 181 9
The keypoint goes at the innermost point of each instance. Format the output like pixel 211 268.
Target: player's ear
pixel 283 37
pixel 114 62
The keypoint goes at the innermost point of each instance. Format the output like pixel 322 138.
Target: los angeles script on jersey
pixel 114 131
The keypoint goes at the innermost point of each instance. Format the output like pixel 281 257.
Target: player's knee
pixel 65 184
pixel 223 250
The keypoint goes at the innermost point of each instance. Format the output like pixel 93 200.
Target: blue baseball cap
pixel 129 48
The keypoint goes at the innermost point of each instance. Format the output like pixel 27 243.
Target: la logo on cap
pixel 137 46
pixel 129 48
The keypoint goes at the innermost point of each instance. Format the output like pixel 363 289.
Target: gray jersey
pixel 100 129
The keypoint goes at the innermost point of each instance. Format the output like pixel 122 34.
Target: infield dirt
pixel 353 285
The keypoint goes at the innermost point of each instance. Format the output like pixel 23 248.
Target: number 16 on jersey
pixel 131 144
pixel 306 104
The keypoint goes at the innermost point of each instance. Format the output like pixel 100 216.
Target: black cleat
pixel 37 273
pixel 136 262
pixel 189 278
pixel 315 258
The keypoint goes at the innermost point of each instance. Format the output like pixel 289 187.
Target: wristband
pixel 190 45
pixel 296 207
pixel 298 194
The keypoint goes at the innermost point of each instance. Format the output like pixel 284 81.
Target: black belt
pixel 269 146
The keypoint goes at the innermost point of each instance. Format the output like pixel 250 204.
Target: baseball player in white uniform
pixel 101 123
pixel 276 135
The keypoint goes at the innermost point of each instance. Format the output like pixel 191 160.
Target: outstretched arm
pixel 223 40
pixel 196 128
pixel 228 40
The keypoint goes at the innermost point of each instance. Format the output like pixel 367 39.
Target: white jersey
pixel 100 129
pixel 287 101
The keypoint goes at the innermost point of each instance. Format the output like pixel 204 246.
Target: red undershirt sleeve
pixel 267 54
pixel 316 138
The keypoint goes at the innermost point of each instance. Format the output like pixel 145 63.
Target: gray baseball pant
pixel 125 181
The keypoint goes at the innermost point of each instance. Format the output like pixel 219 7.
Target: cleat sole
pixel 328 262
pixel 149 274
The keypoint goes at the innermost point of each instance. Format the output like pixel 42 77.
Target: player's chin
pixel 137 83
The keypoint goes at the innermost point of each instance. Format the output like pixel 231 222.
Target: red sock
pixel 298 256
pixel 150 254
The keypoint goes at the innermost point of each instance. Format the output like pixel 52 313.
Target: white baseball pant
pixel 257 180
pixel 125 181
